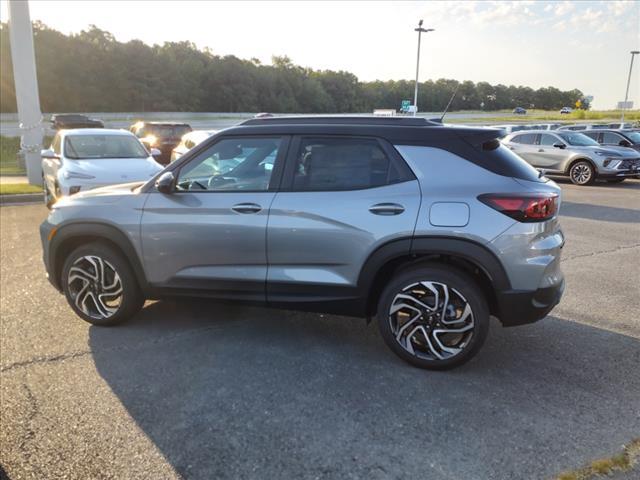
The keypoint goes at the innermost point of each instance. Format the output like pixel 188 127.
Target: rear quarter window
pixel 503 161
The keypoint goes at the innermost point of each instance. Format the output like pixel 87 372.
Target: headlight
pixel 69 174
pixel 611 162
pixel 150 140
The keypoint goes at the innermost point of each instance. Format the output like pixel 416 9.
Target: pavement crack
pixel 600 252
pixel 81 353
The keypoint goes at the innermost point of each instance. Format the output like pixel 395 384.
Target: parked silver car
pixel 428 228
pixel 574 154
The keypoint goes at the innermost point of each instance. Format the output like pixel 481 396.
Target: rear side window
pixel 504 162
pixel 327 164
pixel 525 138
pixel 593 135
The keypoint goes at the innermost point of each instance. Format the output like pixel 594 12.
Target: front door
pixel 547 156
pixel 209 235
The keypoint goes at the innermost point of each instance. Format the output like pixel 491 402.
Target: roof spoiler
pixel 483 138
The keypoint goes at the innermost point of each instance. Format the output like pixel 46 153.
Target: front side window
pixel 546 139
pixel 609 138
pixel 103 146
pixel 329 164
pixel 232 164
pixel 578 140
pixel 525 138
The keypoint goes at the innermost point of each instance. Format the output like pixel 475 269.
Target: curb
pixel 22 198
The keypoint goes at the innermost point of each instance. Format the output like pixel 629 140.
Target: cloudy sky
pixel 577 44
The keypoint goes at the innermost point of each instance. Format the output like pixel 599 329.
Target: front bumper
pixel 517 307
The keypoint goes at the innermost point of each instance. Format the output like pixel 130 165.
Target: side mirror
pixel 48 153
pixel 165 182
pixel 155 152
pixel 624 143
pixel 559 145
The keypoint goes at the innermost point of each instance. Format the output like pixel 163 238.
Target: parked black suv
pixel 164 136
pixel 66 121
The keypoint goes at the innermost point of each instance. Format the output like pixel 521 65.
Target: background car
pixel 574 154
pixel 616 138
pixel 519 111
pixel 84 159
pixel 63 121
pixel 565 110
pixel 190 140
pixel 161 135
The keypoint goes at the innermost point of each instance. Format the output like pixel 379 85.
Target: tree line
pixel 93 72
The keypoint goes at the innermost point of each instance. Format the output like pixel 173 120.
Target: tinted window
pixel 546 139
pixel 609 138
pixel 525 138
pixel 342 164
pixel 504 162
pixel 231 165
pixel 578 139
pixel 593 135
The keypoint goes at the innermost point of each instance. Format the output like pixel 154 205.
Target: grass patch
pixel 17 188
pixel 9 147
pixel 539 116
pixel 621 462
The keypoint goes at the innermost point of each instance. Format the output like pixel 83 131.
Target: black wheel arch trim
pixel 469 250
pixel 99 231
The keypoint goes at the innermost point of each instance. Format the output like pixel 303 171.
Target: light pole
pixel 626 95
pixel 415 93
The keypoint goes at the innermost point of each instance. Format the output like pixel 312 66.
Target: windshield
pixel 103 146
pixel 167 131
pixel 634 136
pixel 578 139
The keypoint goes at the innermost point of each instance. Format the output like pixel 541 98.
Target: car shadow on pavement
pixel 600 212
pixel 239 392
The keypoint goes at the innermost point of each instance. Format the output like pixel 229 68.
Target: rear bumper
pixel 517 307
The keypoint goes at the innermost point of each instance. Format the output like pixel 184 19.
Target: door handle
pixel 386 209
pixel 246 208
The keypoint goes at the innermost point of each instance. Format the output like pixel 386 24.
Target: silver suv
pixel 430 229
pixel 574 154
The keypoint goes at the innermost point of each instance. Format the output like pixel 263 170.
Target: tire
pixel 582 173
pixel 421 346
pixel 110 301
pixel 615 180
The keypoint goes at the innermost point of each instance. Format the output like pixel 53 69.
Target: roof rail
pixel 342 120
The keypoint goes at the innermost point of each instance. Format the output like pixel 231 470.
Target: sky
pixel 566 44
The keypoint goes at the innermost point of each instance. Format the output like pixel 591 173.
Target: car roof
pixel 398 130
pixel 95 131
pixel 171 124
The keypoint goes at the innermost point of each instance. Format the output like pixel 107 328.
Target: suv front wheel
pixel 582 173
pixel 100 286
pixel 433 317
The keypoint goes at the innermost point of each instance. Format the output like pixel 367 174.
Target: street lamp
pixel 626 95
pixel 415 93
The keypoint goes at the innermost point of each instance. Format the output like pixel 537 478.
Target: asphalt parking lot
pixel 196 389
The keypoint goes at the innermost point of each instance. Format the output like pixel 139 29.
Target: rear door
pixel 341 198
pixel 210 234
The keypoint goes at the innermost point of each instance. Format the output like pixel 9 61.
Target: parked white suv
pixel 88 158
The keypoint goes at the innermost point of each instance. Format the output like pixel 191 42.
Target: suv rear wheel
pixel 582 173
pixel 433 316
pixel 100 286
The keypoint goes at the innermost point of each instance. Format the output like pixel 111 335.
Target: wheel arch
pixel 71 236
pixel 581 159
pixel 468 256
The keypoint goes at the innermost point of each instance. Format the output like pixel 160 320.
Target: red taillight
pixel 523 207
